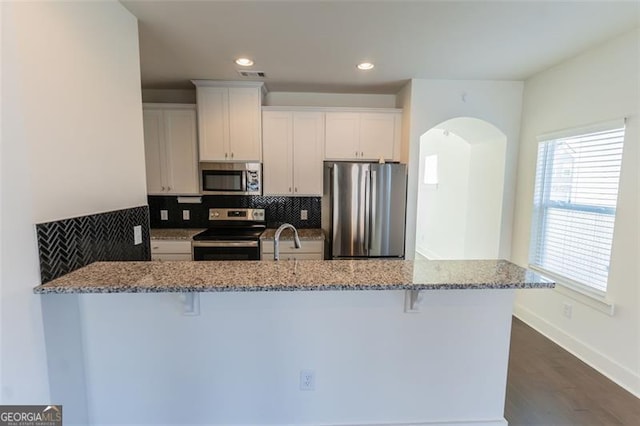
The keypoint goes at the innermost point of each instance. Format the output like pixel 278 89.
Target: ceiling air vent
pixel 251 74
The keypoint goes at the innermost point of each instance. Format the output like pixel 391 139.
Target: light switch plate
pixel 186 214
pixel 164 214
pixel 304 214
pixel 137 235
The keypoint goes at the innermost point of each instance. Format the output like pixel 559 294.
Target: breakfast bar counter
pixel 242 276
pixel 388 341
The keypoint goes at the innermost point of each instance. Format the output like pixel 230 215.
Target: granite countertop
pixel 174 233
pixel 185 276
pixel 287 234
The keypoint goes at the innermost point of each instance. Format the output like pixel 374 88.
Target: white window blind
pixel 575 197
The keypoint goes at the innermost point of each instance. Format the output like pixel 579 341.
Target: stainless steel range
pixel 234 235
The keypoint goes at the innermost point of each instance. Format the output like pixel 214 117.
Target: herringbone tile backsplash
pixel 68 244
pixel 278 210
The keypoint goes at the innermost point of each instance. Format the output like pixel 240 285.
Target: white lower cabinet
pixel 170 250
pixel 292 152
pixel 310 250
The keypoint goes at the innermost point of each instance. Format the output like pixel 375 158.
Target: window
pixel 575 197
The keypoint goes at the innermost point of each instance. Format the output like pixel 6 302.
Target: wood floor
pixel 548 386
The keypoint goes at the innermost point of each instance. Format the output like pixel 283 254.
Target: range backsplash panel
pixel 278 210
pixel 68 244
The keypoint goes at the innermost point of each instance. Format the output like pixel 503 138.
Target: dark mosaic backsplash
pixel 278 210
pixel 68 244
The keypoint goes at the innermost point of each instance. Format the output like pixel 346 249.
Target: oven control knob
pixel 216 214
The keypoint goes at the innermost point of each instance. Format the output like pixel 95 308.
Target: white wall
pixel 363 100
pixel 84 144
pixel 442 210
pixel 330 99
pixel 484 202
pixel 72 145
pixel 435 101
pixel 176 96
pixel 239 361
pixel 599 85
pixel 23 360
pixel 403 100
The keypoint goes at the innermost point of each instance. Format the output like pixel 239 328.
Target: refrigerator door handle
pixel 372 209
pixel 367 211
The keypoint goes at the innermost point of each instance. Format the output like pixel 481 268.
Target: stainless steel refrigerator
pixel 367 203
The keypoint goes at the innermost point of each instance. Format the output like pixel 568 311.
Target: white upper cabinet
pixel 308 147
pixel 277 144
pixel 154 150
pixel 292 152
pixel 342 135
pixel 170 148
pixel 379 133
pixel 229 121
pixel 363 135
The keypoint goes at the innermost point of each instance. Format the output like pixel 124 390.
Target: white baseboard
pixel 428 254
pixel 619 374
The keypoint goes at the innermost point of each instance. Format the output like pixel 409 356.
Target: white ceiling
pixel 315 46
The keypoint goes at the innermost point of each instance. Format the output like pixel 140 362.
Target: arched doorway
pixel 460 190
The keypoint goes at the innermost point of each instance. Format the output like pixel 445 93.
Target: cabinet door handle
pixel 296 189
pixel 356 153
pixel 168 188
pixel 225 155
pixel 361 154
pixel 163 188
pixel 232 155
pixel 289 189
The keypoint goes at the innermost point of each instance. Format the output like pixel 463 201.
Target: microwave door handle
pixel 244 181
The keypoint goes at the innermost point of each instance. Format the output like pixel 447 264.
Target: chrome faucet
pixel 276 239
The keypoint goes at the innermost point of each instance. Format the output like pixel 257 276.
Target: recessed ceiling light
pixel 365 66
pixel 244 62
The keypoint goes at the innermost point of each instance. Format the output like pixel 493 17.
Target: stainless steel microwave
pixel 231 178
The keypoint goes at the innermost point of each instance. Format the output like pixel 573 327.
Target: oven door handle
pixel 224 244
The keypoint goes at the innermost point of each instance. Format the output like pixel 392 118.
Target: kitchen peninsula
pixel 386 342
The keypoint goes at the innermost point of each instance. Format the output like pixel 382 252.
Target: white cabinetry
pixel 170 250
pixel 363 135
pixel 229 120
pixel 293 152
pixel 170 148
pixel 310 250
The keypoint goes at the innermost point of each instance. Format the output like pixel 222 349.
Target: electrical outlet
pixel 186 214
pixel 304 214
pixel 567 310
pixel 137 235
pixel 164 214
pixel 307 380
